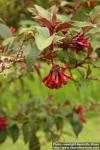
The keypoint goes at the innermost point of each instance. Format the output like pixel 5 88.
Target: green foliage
pixel 5 31
pixel 43 13
pixel 3 136
pixel 43 38
pixel 56 36
pixel 14 133
pixel 34 143
pixel 76 124
pixel 30 52
pixel 26 132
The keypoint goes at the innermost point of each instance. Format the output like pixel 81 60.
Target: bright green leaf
pixel 42 12
pixel 43 38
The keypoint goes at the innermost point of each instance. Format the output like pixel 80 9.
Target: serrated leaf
pixel 42 12
pixel 3 136
pixel 5 31
pixel 26 132
pixel 43 38
pixel 14 132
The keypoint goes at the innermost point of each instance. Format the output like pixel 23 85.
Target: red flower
pixel 80 110
pixel 3 122
pixel 79 42
pixel 83 118
pixel 56 78
pixel 13 30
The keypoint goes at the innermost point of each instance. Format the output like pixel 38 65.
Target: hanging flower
pixel 79 42
pixel 56 78
pixel 80 110
pixel 3 122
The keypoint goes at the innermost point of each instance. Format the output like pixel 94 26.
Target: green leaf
pixel 98 52
pixel 58 38
pixel 95 44
pixel 81 24
pixel 64 18
pixel 94 31
pixel 3 136
pixel 89 71
pixel 95 14
pixel 63 3
pixel 96 11
pixel 43 38
pixel 8 42
pixel 26 132
pixel 1 21
pixel 34 143
pixel 83 82
pixel 31 53
pixel 76 124
pixel 14 132
pixel 59 122
pixel 4 31
pixel 42 12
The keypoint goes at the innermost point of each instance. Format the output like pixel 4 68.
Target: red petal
pixel 83 119
pixel 63 78
pixel 79 109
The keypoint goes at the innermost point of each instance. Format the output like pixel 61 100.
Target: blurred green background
pixel 11 95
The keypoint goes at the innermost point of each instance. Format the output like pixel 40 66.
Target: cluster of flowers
pixel 56 77
pixel 78 43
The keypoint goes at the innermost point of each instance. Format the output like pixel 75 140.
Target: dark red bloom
pixel 80 110
pixel 79 42
pixel 56 78
pixel 3 122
